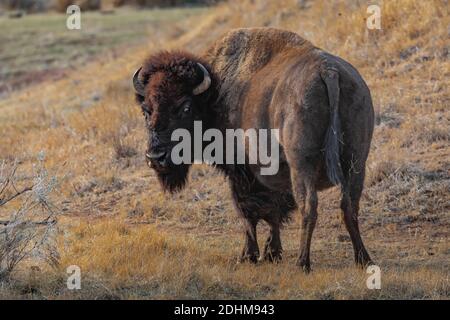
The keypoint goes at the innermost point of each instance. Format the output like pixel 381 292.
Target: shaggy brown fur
pixel 269 78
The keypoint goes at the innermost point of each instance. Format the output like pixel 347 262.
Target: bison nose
pixel 157 150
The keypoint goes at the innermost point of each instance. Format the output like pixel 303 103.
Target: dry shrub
pixel 122 150
pixel 426 130
pixel 380 170
pixel 30 231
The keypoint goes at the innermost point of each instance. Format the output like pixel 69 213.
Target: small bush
pixel 30 230
pixel 123 150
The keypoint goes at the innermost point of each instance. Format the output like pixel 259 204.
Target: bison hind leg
pixel 350 210
pixel 304 178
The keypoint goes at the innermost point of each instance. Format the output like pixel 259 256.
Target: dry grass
pixel 132 241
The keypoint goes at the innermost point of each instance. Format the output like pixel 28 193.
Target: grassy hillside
pixel 133 241
pixel 40 47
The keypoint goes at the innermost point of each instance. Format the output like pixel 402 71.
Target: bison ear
pixel 205 84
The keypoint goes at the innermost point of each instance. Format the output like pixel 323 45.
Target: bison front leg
pixel 245 204
pixel 250 253
pixel 273 250
pixel 255 202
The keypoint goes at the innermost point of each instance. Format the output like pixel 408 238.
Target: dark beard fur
pixel 174 178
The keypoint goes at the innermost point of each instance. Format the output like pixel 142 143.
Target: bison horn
pixel 206 83
pixel 137 84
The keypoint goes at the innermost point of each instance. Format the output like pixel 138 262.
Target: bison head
pixel 173 90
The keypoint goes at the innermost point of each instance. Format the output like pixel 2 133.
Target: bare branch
pixel 19 193
pixel 30 230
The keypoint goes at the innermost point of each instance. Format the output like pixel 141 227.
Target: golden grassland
pixel 133 241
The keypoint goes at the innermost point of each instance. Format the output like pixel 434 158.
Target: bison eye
pixel 185 108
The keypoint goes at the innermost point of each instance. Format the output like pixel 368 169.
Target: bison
pixel 266 78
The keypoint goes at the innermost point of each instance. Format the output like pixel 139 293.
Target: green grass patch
pixel 36 44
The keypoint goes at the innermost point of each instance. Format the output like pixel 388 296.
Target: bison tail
pixel 332 143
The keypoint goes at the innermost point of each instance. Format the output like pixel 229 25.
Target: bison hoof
pixel 272 256
pixel 305 266
pixel 363 260
pixel 363 264
pixel 251 258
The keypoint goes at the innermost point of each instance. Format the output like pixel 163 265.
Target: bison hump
pixel 242 52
